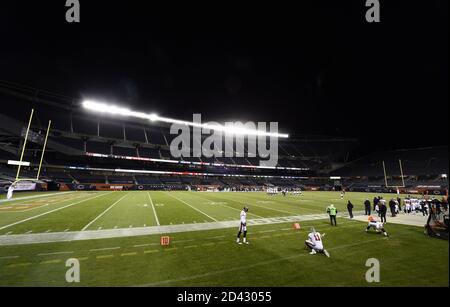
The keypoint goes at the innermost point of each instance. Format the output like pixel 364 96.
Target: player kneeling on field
pixel 314 243
pixel 378 226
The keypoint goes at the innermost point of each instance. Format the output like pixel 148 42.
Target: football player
pixel 315 244
pixel 243 227
pixel 378 226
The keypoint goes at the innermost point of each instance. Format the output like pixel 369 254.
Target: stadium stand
pixel 88 149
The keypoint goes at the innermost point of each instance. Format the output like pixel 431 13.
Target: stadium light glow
pixel 121 111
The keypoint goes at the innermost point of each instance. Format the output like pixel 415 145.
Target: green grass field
pixel 275 256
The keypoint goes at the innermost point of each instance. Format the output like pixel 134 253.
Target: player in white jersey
pixel 315 244
pixel 407 207
pixel 243 227
pixel 378 226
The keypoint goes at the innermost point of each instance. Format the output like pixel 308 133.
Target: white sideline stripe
pixel 101 214
pixel 198 210
pixel 239 210
pixel 21 239
pixel 51 211
pixel 153 207
pixel 34 196
pixel 242 268
pixel 56 253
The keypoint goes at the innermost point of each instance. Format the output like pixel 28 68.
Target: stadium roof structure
pixel 50 103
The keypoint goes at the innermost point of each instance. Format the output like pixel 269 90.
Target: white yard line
pixel 294 201
pixel 104 256
pixel 153 207
pixel 56 253
pixel 266 231
pixel 143 245
pixel 268 208
pixel 101 214
pixel 51 211
pixel 198 210
pixel 239 210
pixel 104 249
pixel 9 257
pixel 217 237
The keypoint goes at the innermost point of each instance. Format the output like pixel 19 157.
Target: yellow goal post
pixel 401 176
pixel 20 163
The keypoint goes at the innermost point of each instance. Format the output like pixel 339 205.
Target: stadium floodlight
pixel 122 111
pixel 116 110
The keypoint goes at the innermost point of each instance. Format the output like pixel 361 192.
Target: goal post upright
pixel 25 142
pixel 401 172
pixel 24 145
pixel 385 176
pixel 43 150
pixel 401 175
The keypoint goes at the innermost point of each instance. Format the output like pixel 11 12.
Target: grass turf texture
pixel 275 256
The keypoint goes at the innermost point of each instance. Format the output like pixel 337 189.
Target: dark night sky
pixel 316 68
